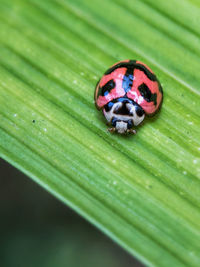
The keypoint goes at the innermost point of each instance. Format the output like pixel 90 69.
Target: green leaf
pixel 143 190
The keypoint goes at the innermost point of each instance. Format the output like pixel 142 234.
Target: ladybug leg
pixel 112 130
pixel 132 131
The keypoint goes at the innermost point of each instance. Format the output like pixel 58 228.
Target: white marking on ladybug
pixel 121 126
pixel 122 120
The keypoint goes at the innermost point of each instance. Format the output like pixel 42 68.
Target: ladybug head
pixel 123 114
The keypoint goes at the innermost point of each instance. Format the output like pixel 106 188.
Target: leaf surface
pixel 143 190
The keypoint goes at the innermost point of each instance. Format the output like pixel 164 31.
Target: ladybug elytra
pixel 127 92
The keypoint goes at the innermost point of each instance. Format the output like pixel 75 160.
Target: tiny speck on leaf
pixel 33 121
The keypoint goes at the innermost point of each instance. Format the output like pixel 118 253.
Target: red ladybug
pixel 127 92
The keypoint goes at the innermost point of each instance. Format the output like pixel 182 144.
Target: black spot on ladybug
pixel 105 90
pixel 108 106
pixel 146 93
pixel 139 111
pixel 113 121
pixel 129 124
pixel 123 109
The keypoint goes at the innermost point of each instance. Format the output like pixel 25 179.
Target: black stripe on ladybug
pixel 132 65
pixel 105 90
pixel 160 87
pixel 128 79
pixel 146 93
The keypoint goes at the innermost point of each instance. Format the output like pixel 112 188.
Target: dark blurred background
pixel 37 230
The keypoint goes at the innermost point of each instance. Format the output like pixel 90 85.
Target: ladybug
pixel 127 92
